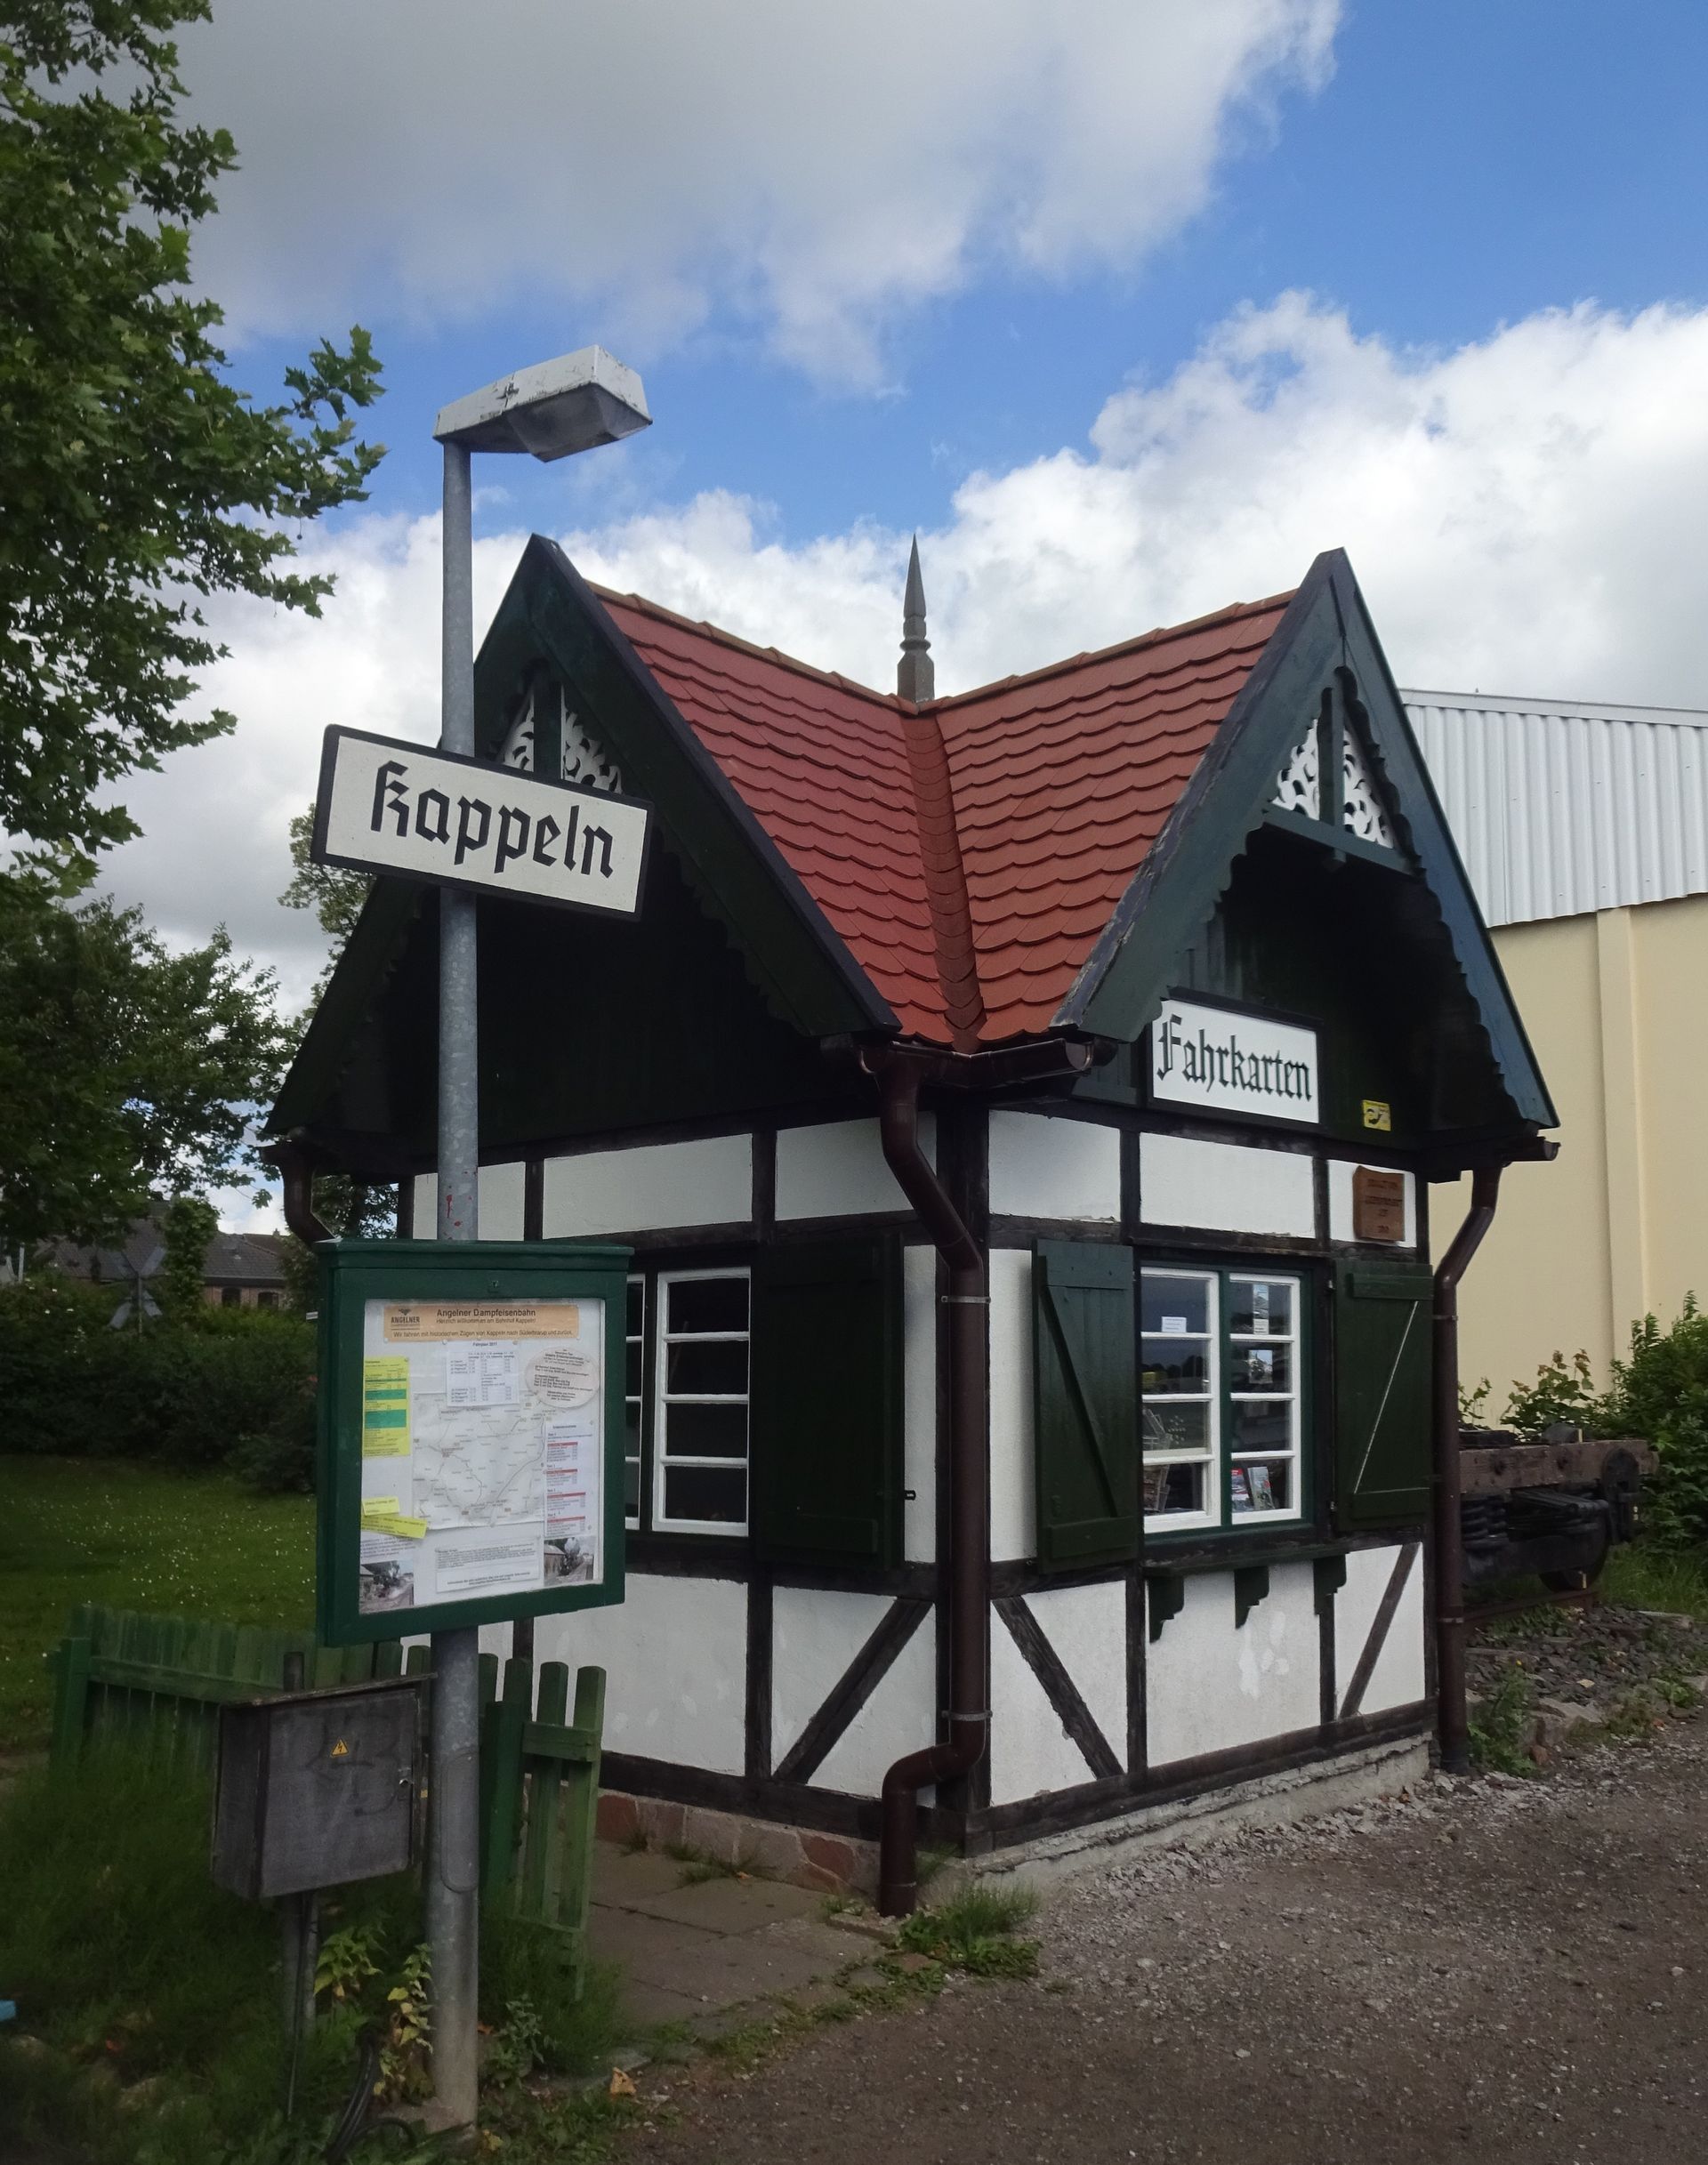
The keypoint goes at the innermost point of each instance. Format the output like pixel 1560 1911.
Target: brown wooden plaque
pixel 1378 1204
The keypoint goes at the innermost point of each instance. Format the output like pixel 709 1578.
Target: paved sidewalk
pixel 713 1951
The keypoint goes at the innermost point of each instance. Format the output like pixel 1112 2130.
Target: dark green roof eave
pixel 359 971
pixel 1130 969
pixel 812 971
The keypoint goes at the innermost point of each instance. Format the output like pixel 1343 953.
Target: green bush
pixel 1563 1391
pixel 185 1391
pixel 1660 1393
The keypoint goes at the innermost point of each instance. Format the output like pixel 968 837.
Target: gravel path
pixel 1501 1971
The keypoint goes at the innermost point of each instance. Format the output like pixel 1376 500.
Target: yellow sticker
pixel 341 1749
pixel 404 1529
pixel 1378 1114
pixel 379 1506
pixel 385 1407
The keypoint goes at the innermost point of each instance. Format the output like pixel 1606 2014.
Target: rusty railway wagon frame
pixel 1555 1509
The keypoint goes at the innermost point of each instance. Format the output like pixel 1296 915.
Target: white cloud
pixel 814 170
pixel 1525 514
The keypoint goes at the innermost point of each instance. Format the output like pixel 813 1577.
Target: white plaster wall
pixel 899 1718
pixel 1043 1166
pixel 1225 1188
pixel 1208 1687
pixel 1340 1204
pixel 500 1192
pixel 919 1404
pixel 1013 1503
pixel 649 1187
pixel 675 1656
pixel 1087 1627
pixel 1031 1754
pixel 814 1637
pixel 501 1201
pixel 1398 1677
pixel 838 1170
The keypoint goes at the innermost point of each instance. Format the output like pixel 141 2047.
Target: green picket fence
pixel 156 1684
pixel 539 1795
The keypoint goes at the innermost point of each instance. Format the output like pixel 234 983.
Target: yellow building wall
pixel 1616 1007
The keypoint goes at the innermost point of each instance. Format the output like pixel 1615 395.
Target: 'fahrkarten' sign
pixel 1215 1061
pixel 419 813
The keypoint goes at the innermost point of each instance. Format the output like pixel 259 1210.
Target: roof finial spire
pixel 917 674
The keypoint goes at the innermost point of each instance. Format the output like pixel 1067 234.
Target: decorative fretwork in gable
pixel 519 745
pixel 1362 811
pixel 1300 786
pixel 582 759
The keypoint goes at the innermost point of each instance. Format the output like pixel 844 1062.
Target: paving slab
pixel 724 1905
pixel 628 1876
pixel 648 2004
pixel 713 1968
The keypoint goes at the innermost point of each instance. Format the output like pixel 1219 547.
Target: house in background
pixel 239 1269
pixel 1584 832
pixel 1022 1109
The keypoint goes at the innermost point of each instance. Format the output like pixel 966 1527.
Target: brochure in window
pixel 1262 1488
pixel 1241 1491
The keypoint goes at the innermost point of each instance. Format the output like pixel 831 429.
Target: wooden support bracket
pixel 1251 1586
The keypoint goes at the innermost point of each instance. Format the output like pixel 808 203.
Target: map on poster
pixel 482 1450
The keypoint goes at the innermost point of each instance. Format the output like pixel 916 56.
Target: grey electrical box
pixel 318 1788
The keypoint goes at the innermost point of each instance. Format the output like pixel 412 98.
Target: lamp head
pixel 574 403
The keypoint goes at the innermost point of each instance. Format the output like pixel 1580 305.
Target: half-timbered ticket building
pixel 1023 1107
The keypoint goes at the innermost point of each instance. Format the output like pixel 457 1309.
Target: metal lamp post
pixel 575 403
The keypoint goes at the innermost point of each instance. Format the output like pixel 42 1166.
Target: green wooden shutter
pixel 1085 1404
pixel 1384 1336
pixel 825 1417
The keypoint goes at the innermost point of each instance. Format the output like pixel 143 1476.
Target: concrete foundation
pixel 1267 1800
pixel 832 1863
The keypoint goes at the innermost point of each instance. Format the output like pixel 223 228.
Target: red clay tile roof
pixel 968 852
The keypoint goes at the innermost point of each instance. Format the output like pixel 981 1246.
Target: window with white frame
pixel 699 1460
pixel 1219 1372
pixel 634 1365
pixel 1263 1424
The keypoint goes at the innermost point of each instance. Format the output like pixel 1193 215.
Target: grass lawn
pixel 135 1537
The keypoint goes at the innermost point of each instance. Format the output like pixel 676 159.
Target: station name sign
pixel 1208 1059
pixel 419 813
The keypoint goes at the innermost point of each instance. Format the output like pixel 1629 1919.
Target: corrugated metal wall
pixel 1561 809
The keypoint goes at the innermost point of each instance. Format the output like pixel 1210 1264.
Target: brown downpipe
pixel 1449 1532
pixel 296 1176
pixel 968 1298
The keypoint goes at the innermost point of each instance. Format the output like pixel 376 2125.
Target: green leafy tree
pixel 350 1209
pixel 135 479
pixel 125 1071
pixel 190 1224
pixel 331 891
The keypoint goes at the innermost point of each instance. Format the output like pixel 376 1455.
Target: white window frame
pixel 1185 1522
pixel 635 1398
pixel 1293 1457
pixel 664 1398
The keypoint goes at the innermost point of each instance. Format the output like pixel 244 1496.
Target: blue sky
pixel 1130 308
pixel 1466 164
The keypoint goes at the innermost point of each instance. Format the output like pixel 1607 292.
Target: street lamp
pixel 572 403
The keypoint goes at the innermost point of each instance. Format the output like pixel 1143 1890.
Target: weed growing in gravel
pixel 975 1932
pixel 1500 1727
pixel 698 1867
pixel 1538 1622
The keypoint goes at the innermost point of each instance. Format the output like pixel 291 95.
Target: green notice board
pixel 470 1413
